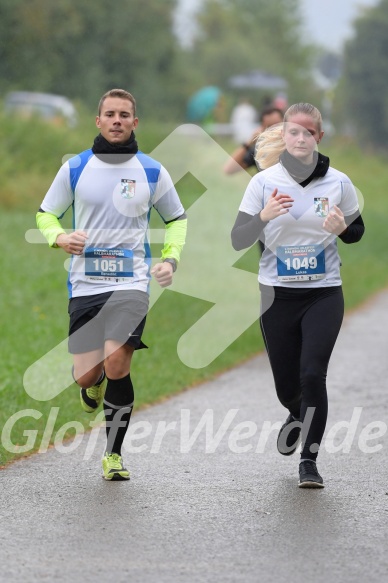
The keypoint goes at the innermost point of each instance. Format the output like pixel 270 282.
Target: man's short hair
pixel 122 94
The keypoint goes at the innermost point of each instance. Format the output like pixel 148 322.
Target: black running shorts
pixel 117 316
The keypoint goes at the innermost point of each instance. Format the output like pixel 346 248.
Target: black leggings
pixel 300 327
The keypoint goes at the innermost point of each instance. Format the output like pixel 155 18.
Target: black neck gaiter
pixel 305 173
pixel 114 153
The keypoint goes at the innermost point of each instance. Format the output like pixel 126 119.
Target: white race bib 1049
pixel 300 262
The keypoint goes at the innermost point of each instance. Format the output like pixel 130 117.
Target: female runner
pixel 300 204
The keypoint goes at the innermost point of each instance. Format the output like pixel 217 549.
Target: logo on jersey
pixel 128 188
pixel 321 206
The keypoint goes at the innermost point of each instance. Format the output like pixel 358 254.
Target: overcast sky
pixel 326 22
pixel 329 22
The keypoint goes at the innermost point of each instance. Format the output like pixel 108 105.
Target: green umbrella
pixel 202 103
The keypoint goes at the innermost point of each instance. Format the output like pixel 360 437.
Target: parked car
pixel 55 108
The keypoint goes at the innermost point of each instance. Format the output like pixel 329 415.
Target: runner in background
pixel 244 156
pixel 301 205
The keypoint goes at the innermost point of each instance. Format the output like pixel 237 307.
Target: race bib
pixel 107 264
pixel 300 262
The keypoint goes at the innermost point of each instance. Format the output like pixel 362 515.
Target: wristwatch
pixel 172 261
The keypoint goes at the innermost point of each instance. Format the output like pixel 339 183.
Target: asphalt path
pixel 210 499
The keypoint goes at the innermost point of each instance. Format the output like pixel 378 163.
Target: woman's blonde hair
pixel 270 143
pixel 269 146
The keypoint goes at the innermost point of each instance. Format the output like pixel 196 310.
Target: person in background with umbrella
pixel 204 105
pixel 243 120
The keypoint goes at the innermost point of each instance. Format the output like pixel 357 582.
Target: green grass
pixel 365 265
pixel 33 310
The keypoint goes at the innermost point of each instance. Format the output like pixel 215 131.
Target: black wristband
pixel 172 261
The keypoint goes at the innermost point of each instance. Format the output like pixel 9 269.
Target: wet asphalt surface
pixel 210 499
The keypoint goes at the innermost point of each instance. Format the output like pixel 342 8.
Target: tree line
pixel 81 49
pixel 363 89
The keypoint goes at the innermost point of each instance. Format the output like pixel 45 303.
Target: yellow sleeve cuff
pixel 49 226
pixel 174 239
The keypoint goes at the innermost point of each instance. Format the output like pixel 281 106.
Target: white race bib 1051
pixel 105 264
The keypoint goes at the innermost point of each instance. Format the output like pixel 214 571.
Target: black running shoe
pixel 289 436
pixel 308 475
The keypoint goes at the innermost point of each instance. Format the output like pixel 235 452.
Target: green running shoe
pixel 92 398
pixel 112 465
